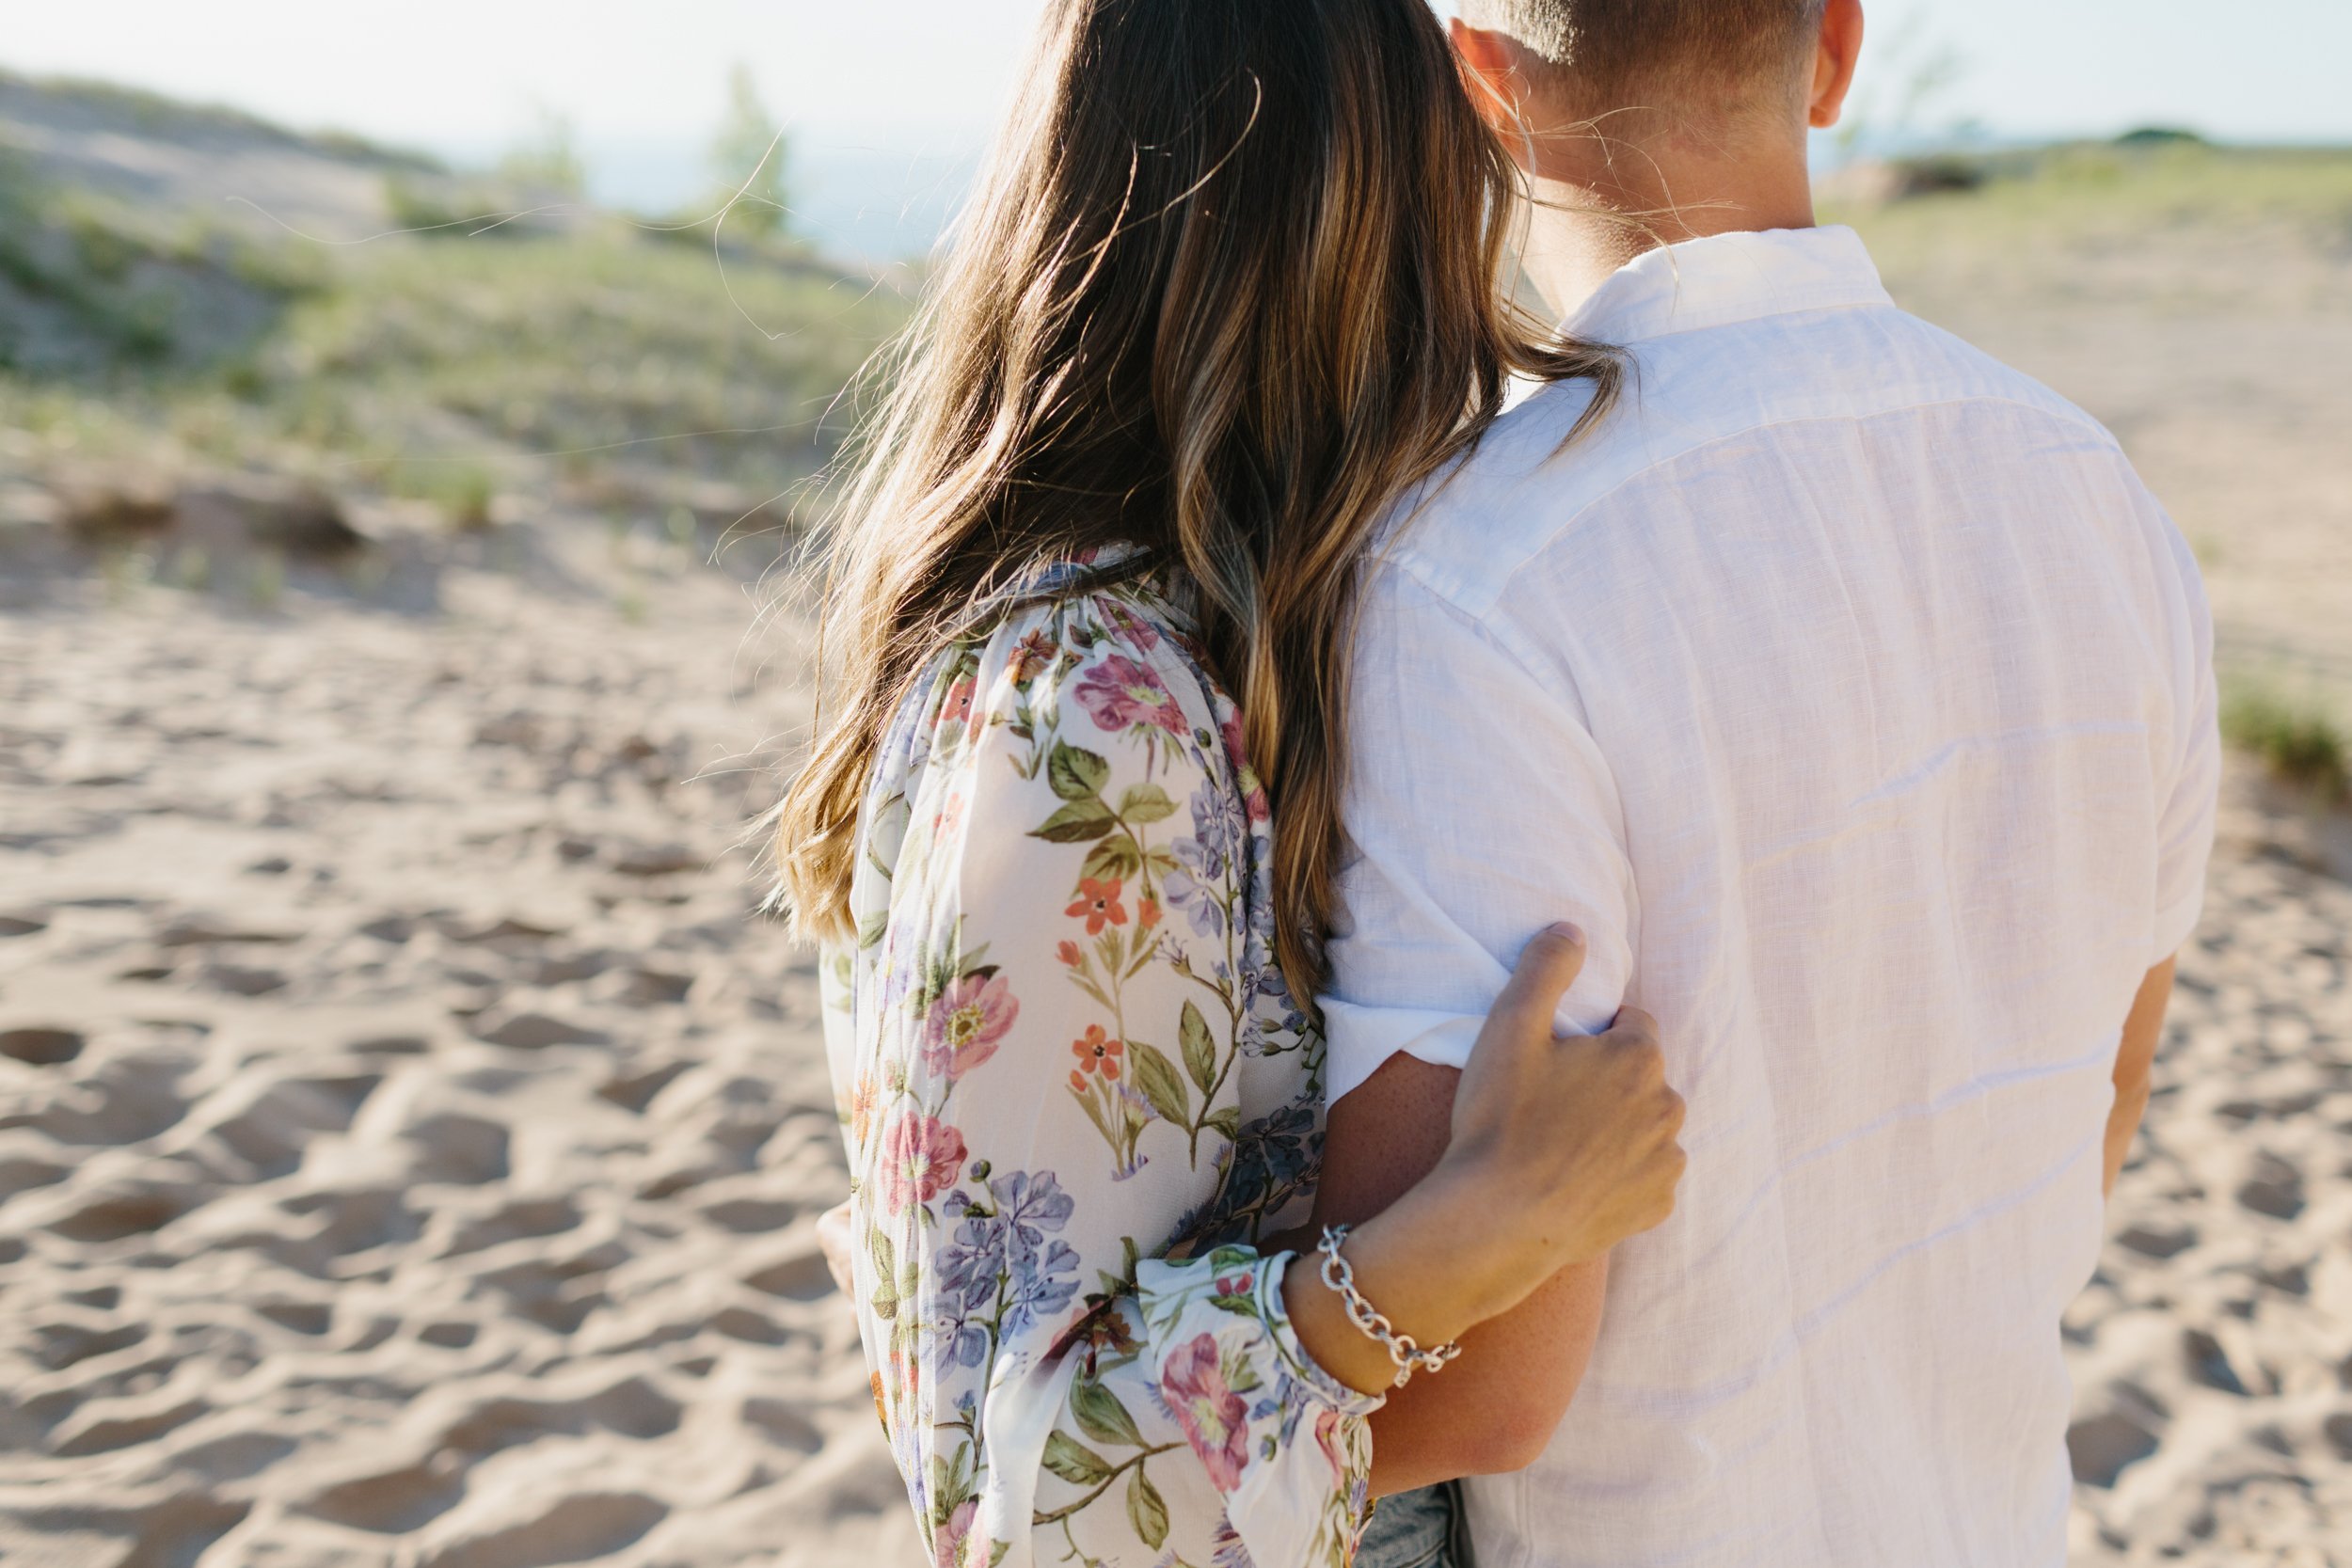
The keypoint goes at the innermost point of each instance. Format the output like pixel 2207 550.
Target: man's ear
pixel 1833 59
pixel 1489 62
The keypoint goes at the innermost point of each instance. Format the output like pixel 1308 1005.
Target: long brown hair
pixel 1229 284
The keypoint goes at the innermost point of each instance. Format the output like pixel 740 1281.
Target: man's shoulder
pixel 1727 401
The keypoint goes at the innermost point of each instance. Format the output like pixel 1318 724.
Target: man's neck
pixel 1598 204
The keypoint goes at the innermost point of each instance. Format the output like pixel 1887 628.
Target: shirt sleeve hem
pixel 1310 1373
pixel 2175 925
pixel 1358 1039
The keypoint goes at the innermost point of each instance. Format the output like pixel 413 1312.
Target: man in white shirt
pixel 1851 694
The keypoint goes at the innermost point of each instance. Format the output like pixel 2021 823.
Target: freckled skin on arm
pixel 1495 1408
pixel 2137 1058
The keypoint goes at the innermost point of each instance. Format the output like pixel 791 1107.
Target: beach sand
pixel 411 1136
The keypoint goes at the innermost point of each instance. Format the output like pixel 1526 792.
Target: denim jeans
pixel 1426 1529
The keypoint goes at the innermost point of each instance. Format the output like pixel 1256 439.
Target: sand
pixel 411 1139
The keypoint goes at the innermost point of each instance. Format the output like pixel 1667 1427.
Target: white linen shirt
pixel 1852 694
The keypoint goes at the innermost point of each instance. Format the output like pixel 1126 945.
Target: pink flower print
pixel 952 1545
pixel 1228 725
pixel 1122 694
pixel 1215 1419
pixel 967 1023
pixel 1142 633
pixel 921 1159
pixel 1327 1435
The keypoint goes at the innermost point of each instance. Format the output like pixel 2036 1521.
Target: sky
pixel 887 97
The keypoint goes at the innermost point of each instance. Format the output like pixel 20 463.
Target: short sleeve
pixel 1479 811
pixel 2187 800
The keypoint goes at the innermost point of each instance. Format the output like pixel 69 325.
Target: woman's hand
pixel 1560 1148
pixel 836 1239
pixel 1573 1138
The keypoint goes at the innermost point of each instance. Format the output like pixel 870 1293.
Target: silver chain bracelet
pixel 1410 1357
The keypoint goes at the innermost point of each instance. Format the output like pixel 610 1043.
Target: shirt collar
pixel 1724 278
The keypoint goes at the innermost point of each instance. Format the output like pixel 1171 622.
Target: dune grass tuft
pixel 2300 738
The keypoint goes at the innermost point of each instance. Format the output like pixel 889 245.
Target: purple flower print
pixel 1215 1420
pixel 967 1023
pixel 1040 1285
pixel 970 1264
pixel 1217 826
pixel 1005 1249
pixel 1032 1206
pixel 1196 890
pixel 1122 694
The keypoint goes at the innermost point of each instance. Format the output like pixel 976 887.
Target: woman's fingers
pixel 1635 1025
pixel 1547 966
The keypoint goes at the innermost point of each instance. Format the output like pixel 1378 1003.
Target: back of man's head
pixel 1608 55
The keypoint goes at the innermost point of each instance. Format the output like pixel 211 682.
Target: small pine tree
pixel 750 138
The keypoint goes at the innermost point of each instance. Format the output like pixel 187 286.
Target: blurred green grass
pixel 444 366
pixel 2296 734
pixel 2022 222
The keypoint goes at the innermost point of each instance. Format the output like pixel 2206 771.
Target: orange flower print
pixel 1098 902
pixel 1147 913
pixel 1070 954
pixel 863 1097
pixel 1034 654
pixel 1098 1052
pixel 957 709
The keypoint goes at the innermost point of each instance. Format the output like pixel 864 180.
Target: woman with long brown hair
pixel 1228 289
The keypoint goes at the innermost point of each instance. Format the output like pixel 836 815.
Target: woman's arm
pixel 1059 1007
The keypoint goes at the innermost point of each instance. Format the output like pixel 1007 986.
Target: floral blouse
pixel 1075 1092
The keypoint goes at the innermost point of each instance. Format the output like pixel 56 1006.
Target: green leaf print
pixel 1146 802
pixel 1100 1415
pixel 1074 1462
pixel 1077 823
pixel 1114 860
pixel 1199 1049
pixel 1155 1075
pixel 886 1270
pixel 1147 1510
pixel 1076 774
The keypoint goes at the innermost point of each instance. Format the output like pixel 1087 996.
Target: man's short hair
pixel 1613 47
